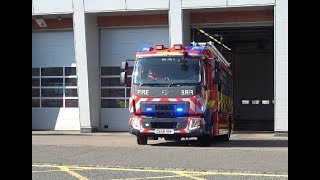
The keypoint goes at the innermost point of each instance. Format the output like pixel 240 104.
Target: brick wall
pixel 231 16
pixel 54 24
pixel 133 20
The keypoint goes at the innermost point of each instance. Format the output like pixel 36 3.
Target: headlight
pixel 195 123
pixel 135 122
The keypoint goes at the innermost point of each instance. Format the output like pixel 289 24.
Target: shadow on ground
pixel 231 143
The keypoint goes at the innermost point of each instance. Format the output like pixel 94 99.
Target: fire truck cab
pixel 180 92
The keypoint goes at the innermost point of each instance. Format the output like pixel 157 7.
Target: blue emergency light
pixel 180 110
pixel 149 109
pixel 145 49
pixel 195 48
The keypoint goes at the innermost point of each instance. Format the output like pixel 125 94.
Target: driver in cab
pixel 152 75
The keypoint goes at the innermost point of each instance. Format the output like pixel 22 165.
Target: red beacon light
pixel 177 46
pixel 159 46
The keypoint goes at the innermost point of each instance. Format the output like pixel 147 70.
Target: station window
pixel 54 87
pixel 113 94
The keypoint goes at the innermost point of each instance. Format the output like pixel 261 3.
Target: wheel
pixel 226 137
pixel 204 140
pixel 142 140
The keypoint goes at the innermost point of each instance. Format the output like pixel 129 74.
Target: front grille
pixel 172 125
pixel 164 110
pixel 165 123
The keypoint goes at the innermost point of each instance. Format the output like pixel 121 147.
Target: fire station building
pixel 78 46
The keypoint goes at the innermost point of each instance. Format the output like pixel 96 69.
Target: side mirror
pixel 124 65
pixel 216 77
pixel 184 55
pixel 183 58
pixel 216 65
pixel 123 78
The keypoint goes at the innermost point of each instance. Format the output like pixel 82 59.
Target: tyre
pixel 142 140
pixel 226 137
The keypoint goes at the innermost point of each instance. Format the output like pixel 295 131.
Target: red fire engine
pixel 180 92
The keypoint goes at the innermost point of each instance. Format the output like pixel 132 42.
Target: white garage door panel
pixel 115 119
pixel 122 43
pixel 117 45
pixel 54 49
pixel 55 119
pixel 50 49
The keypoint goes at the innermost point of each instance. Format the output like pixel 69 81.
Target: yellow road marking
pixel 189 176
pixel 155 177
pixel 241 174
pixel 48 171
pixel 184 173
pixel 67 170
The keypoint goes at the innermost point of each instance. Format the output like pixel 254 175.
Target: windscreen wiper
pixel 183 84
pixel 151 84
pixel 171 84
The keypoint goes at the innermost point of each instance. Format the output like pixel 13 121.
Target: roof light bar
pixel 196 48
pixel 177 46
pixel 159 46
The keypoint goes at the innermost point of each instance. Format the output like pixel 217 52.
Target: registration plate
pixel 164 131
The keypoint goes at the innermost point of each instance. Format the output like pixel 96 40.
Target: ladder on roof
pixel 213 48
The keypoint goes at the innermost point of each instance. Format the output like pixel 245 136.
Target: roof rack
pixel 213 48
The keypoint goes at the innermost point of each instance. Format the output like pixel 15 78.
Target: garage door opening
pixel 252 62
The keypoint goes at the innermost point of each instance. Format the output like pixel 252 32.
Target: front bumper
pixel 181 127
pixel 200 131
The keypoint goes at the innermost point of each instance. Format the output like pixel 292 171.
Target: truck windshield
pixel 167 71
